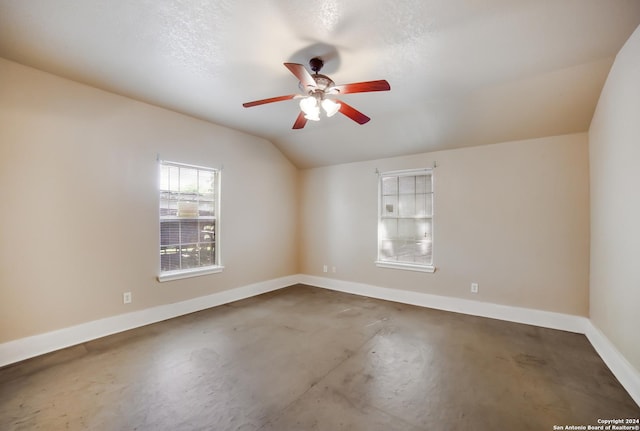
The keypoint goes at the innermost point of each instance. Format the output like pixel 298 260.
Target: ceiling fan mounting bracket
pixel 316 64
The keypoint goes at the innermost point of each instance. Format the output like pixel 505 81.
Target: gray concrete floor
pixel 304 358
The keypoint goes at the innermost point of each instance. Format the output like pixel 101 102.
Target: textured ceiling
pixel 462 72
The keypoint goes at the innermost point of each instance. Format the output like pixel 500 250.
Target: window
pixel 405 220
pixel 189 221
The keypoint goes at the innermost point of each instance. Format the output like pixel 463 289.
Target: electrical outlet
pixel 126 297
pixel 325 268
pixel 474 287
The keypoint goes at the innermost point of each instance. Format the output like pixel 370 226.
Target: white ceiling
pixel 462 72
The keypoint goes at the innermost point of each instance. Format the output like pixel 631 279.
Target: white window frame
pixel 200 270
pixel 394 264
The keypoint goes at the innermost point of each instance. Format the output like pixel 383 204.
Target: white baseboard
pixel 545 319
pixel 626 374
pixel 29 347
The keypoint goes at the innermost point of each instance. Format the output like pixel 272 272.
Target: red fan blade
pixel 362 87
pixel 271 100
pixel 302 74
pixel 353 113
pixel 300 121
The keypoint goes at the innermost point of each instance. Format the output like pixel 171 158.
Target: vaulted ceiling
pixel 462 72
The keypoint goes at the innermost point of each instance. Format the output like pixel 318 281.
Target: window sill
pixel 188 273
pixel 189 217
pixel 405 266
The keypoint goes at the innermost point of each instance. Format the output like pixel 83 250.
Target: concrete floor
pixel 304 358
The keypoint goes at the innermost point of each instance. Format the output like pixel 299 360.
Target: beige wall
pixel 513 217
pixel 79 206
pixel 614 145
pixel 78 218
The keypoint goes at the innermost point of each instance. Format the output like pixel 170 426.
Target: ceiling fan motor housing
pixel 323 84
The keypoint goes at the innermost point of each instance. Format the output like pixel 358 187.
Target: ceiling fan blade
pixel 302 74
pixel 352 113
pixel 270 100
pixel 301 121
pixel 362 87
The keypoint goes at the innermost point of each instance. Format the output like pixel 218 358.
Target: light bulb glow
pixel 309 105
pixel 330 107
pixel 314 116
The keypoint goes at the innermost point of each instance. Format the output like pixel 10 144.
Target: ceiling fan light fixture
pixel 330 107
pixel 314 116
pixel 316 87
pixel 309 105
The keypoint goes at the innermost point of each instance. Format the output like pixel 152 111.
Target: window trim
pixel 179 274
pixel 189 273
pixel 407 266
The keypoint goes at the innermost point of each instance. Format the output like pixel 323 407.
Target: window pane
pixel 188 193
pixel 189 231
pixel 407 206
pixel 421 205
pixel 169 179
pixel 387 250
pixel 187 206
pixel 207 254
pixel 407 184
pixel 414 252
pixel 423 252
pixel 169 258
pixel 390 185
pixel 410 229
pixel 389 229
pixel 188 180
pixel 206 183
pixel 405 226
pixel 205 209
pixel 421 184
pixel 207 229
pixel 173 208
pixel 189 256
pixel 169 233
pixel 389 206
pixel 405 251
pixel 425 229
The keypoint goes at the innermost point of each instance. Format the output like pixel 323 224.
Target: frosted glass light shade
pixel 330 107
pixel 313 116
pixel 309 106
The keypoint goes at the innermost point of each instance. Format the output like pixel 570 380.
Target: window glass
pixel 189 219
pixel 405 223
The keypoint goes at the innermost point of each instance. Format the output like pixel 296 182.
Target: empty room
pixel 334 215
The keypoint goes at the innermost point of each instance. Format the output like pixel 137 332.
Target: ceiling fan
pixel 318 92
